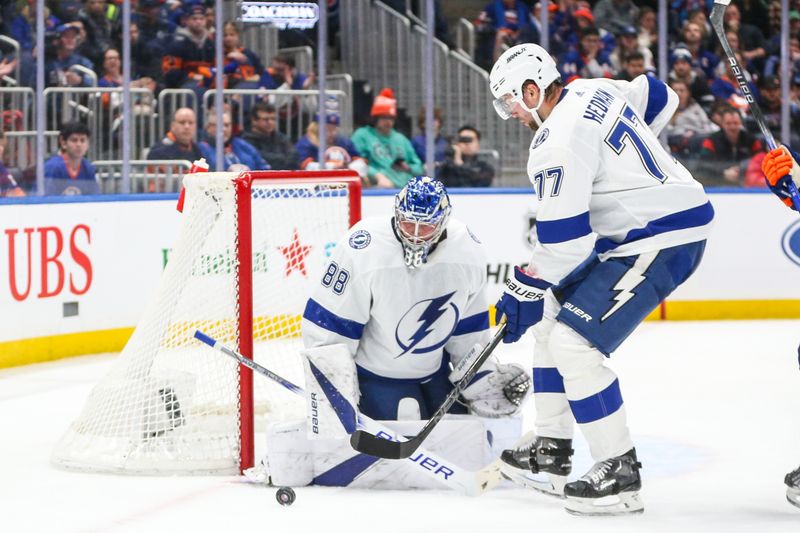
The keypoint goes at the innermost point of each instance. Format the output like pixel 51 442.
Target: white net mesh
pixel 170 404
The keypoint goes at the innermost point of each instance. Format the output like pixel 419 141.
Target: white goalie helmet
pixel 517 65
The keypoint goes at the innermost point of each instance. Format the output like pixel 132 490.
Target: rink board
pixel 75 275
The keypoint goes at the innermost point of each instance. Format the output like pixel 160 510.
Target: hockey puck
pixel 285 496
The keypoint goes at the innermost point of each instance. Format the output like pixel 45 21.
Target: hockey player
pixel 620 225
pixel 780 167
pixel 406 295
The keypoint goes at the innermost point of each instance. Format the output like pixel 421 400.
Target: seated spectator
pixel 340 152
pixel 112 77
pixel 725 154
pixel 274 146
pixel 773 63
pixel 726 88
pixel 391 158
pixel 283 75
pixel 190 56
pixel 236 151
pixel 101 31
pixel 463 168
pixel 647 25
pixel 57 69
pixel 8 185
pixel 689 123
pixel 614 15
pixel 69 172
pixel 583 19
pixel 751 40
pixel 633 65
pixel 498 27
pixel 627 44
pixel 695 78
pixel 440 142
pixel 692 40
pixel 179 143
pixel 771 107
pixel 243 67
pixel 588 60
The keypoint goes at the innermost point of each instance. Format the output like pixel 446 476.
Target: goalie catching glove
pixel 780 168
pixel 497 390
pixel 522 303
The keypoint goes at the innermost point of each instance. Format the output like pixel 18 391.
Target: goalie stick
pixel 441 470
pixel 378 445
pixel 717 15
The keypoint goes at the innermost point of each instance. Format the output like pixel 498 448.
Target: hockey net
pixel 249 251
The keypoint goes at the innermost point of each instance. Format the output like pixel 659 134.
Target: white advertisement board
pixel 83 267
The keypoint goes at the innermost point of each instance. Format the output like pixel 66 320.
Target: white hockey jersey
pixel 398 322
pixel 603 180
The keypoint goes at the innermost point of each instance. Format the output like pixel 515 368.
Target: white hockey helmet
pixel 517 65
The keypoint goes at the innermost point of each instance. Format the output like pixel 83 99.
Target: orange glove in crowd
pixel 777 164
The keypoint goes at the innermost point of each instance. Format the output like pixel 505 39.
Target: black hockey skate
pixel 792 481
pixel 539 463
pixel 611 487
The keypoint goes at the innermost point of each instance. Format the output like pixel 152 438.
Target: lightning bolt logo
pixel 629 281
pixel 435 309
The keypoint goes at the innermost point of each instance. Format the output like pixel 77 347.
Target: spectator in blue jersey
pixel 692 40
pixel 582 19
pixel 283 75
pixel 58 71
pixel 588 60
pixel 191 54
pixel 69 172
pixel 236 151
pixel 23 31
pixel 340 151
pixel 242 66
pixel 440 143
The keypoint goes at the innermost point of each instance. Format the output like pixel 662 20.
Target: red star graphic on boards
pixel 295 255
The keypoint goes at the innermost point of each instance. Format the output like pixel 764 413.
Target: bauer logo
pixel 790 242
pixel 360 239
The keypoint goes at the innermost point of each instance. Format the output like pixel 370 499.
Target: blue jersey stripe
pixel 327 320
pixel 597 406
pixel 690 218
pixel 547 380
pixel 563 229
pixel 656 99
pixel 472 324
pixel 345 472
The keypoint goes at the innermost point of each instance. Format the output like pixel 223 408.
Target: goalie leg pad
pixel 332 391
pixel 289 459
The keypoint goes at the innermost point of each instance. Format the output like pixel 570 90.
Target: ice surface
pixel 714 408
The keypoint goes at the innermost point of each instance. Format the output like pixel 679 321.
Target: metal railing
pixel 465 37
pixel 6 41
pixel 146 176
pixel 303 57
pixel 100 109
pixel 169 100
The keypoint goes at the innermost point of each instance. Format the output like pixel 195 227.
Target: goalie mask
pixel 421 210
pixel 512 69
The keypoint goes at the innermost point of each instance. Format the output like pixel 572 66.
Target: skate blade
pixel 624 503
pixel 549 485
pixel 793 496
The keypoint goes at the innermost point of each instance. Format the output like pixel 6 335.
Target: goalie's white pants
pixel 571 382
pixel 470 442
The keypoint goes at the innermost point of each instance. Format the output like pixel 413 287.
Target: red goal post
pixel 248 254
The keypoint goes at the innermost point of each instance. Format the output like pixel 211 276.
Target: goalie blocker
pixel 315 451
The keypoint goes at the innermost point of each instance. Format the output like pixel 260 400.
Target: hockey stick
pixel 379 446
pixel 432 465
pixel 717 14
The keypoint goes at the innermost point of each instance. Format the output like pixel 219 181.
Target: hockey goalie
pixel 398 316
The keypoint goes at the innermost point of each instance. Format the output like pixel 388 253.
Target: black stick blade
pixel 380 446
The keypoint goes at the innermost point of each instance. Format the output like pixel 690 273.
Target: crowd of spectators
pixel 173 47
pixel 712 131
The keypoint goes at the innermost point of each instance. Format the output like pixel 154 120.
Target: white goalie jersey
pixel 604 182
pixel 398 322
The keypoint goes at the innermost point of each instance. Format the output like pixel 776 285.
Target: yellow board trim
pixel 42 349
pixel 51 348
